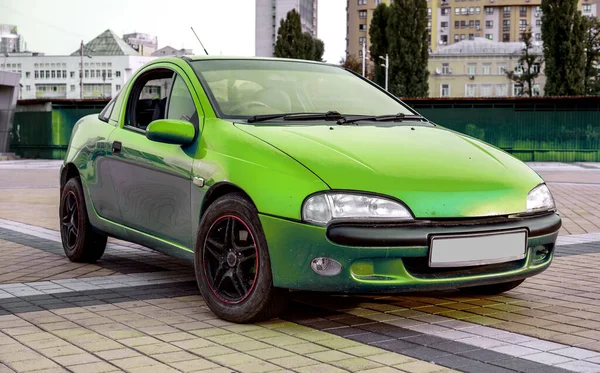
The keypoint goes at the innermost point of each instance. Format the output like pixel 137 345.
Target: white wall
pixel 126 65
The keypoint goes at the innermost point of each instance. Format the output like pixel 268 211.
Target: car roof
pixel 208 58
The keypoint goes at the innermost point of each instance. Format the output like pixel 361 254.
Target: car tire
pixel 80 241
pixel 493 289
pixel 234 274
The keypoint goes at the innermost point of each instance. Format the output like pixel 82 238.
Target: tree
pixel 408 48
pixel 591 44
pixel 563 34
pixel 293 43
pixel 379 41
pixel 530 63
pixel 352 63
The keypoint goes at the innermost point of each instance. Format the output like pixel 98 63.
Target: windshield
pixel 245 88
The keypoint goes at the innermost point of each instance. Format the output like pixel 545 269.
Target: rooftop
pixel 107 44
pixel 483 46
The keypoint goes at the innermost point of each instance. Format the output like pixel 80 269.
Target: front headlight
pixel 323 208
pixel 540 198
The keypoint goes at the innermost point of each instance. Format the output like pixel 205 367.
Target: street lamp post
pixel 81 70
pixel 387 66
pixel 364 58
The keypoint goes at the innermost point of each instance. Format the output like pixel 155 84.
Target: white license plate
pixel 477 249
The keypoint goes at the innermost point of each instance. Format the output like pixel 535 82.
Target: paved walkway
pixel 139 311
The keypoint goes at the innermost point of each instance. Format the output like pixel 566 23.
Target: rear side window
pixel 107 111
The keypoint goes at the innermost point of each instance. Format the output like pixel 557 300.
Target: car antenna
pixel 199 40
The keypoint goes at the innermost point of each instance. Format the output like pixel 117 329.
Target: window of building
pixel 472 23
pixel 471 68
pixel 477 10
pixel 456 24
pixel 362 40
pixel 463 11
pixel 444 39
pixel 28 88
pixel 486 69
pixel 489 10
pixel 486 90
pixel 522 11
pixel 64 75
pixel 118 74
pixel 471 10
pixel 87 73
pixel 457 11
pixel 477 24
pixel 428 12
pixel 471 36
pixel 489 24
pixel 47 74
pixel 362 27
pixel 517 90
pixel 42 74
pixel 377 2
pixel 92 73
pixel 444 24
pixel 506 12
pixel 586 8
pixel 462 36
pixel 456 37
pixel 428 25
pixel 471 90
pixel 521 37
pixel 445 69
pixel 463 24
pixel 538 36
pixel 98 74
pixel 36 74
pixel 501 68
pixel 362 14
pixel 445 11
pixel 109 74
pixel 506 25
pixel 27 74
pixel 535 68
pixel 72 74
pixel 489 36
pixel 445 90
pixel 535 90
pixel 522 24
pixel 538 22
pixel 362 2
pixel 501 90
pixel 118 87
pixel 35 65
pixel 53 74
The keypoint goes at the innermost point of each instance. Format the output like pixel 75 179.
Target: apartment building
pixel 477 68
pixel 108 62
pixel 451 21
pixel 269 14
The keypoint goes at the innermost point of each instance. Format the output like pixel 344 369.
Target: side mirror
pixel 171 131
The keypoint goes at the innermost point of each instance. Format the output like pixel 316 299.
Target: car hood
pixel 436 172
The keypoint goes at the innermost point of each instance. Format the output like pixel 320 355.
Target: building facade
pixel 477 68
pixel 269 14
pixel 144 44
pixel 170 51
pixel 451 21
pixel 108 62
pixel 10 40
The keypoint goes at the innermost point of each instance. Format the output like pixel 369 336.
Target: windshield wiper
pixel 330 115
pixel 381 118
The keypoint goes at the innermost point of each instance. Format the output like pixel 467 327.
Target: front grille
pixel 419 267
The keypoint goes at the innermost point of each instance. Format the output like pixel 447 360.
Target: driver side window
pixel 151 96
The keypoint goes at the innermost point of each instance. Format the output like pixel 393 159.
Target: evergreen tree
pixel 591 44
pixel 379 41
pixel 408 48
pixel 293 43
pixel 529 66
pixel 563 34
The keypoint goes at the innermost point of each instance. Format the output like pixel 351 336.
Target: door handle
pixel 116 147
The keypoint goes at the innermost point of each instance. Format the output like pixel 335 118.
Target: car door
pixel 153 180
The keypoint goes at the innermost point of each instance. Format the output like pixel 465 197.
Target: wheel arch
pixel 69 171
pixel 218 190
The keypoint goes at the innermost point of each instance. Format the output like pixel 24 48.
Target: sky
pixel 225 26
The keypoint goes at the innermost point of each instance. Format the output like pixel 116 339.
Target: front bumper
pixel 393 258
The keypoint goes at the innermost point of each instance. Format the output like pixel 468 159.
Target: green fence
pixel 539 129
pixel 43 129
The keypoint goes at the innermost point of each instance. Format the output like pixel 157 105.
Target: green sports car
pixel 274 175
